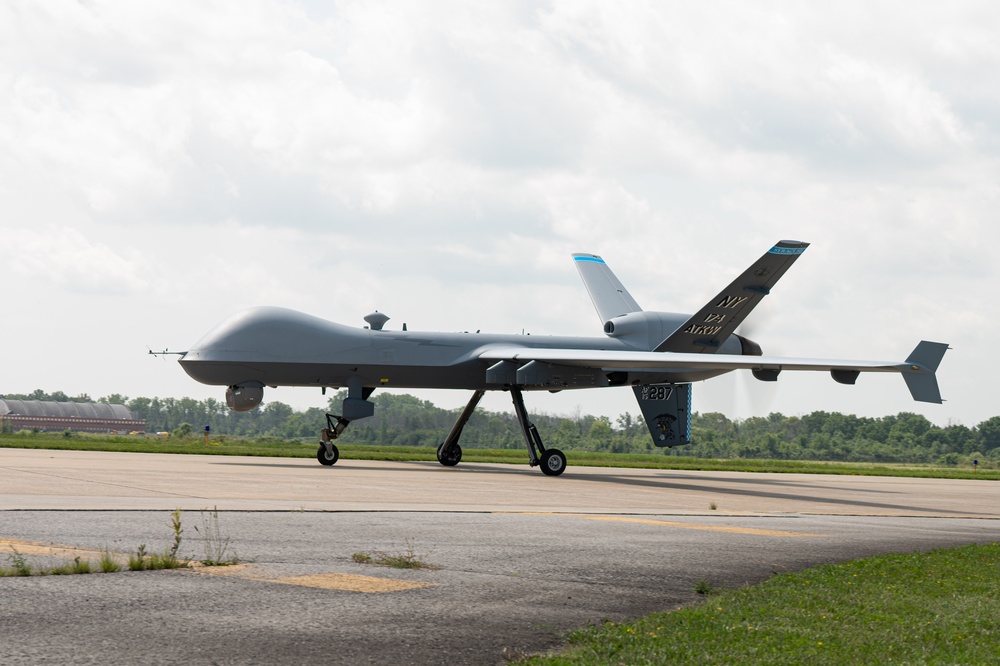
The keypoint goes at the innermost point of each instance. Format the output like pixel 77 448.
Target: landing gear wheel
pixel 453 457
pixel 327 457
pixel 553 462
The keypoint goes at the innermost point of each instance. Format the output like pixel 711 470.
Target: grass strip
pixel 941 607
pixel 298 449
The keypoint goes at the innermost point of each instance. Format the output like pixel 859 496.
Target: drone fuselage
pixel 280 347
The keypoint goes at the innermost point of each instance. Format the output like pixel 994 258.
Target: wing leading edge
pixel 918 370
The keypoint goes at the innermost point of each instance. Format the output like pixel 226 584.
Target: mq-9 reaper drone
pixel 657 354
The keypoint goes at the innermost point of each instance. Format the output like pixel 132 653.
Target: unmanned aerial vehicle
pixel 657 354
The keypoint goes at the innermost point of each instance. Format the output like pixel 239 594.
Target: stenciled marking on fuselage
pixel 698 329
pixel 715 319
pixel 731 301
pixel 656 392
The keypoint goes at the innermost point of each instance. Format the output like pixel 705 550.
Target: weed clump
pixel 19 565
pixel 143 561
pixel 217 551
pixel 137 561
pixel 140 560
pixel 77 566
pixel 107 563
pixel 406 559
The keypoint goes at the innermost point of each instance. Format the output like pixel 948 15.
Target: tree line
pixel 404 420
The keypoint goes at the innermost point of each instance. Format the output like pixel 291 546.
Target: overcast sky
pixel 164 165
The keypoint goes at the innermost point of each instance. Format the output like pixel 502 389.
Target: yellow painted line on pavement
pixel 234 570
pixel 705 528
pixel 669 523
pixel 327 581
pixel 352 583
pixel 40 549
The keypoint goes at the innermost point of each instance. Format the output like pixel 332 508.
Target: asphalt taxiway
pixel 517 557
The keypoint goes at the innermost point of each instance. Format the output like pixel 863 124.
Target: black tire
pixel 325 458
pixel 553 462
pixel 453 458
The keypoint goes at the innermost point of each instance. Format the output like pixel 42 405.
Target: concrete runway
pixel 518 557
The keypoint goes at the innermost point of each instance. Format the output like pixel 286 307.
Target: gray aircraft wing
pixel 917 370
pixel 706 330
pixel 611 298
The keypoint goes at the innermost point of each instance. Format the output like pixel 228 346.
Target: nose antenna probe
pixel 165 353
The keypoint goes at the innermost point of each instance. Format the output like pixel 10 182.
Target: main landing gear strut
pixel 551 461
pixel 449 453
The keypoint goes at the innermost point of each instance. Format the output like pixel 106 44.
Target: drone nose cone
pixel 275 335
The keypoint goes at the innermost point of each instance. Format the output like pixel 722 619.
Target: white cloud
pixel 441 160
pixel 72 262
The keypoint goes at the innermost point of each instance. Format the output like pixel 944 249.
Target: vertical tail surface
pixel 713 324
pixel 610 297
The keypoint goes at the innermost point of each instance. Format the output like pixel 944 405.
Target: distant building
pixel 75 416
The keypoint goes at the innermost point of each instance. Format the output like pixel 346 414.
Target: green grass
pixel 108 563
pixel 217 551
pixel 941 607
pixel 406 559
pixel 18 565
pixel 297 449
pixel 141 559
pixel 75 567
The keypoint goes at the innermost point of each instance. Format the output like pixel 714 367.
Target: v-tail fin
pixel 713 324
pixel 611 298
pixel 666 408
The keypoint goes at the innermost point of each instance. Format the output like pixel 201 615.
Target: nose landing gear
pixel 328 453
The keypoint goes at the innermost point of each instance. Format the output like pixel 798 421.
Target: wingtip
pixel 789 247
pixel 928 354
